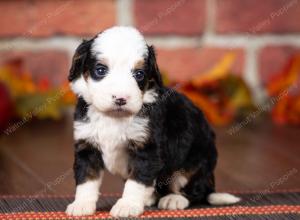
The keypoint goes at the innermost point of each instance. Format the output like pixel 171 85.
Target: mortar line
pixel 125 14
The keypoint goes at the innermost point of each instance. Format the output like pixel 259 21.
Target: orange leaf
pixel 286 78
pixel 211 110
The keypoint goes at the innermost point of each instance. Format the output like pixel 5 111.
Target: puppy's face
pixel 116 72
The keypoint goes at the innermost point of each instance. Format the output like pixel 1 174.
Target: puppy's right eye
pixel 100 71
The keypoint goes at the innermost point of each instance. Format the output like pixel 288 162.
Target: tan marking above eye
pixel 103 61
pixel 139 65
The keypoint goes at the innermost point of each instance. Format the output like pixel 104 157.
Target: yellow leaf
pixel 219 71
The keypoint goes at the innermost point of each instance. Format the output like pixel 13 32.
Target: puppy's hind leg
pixel 222 199
pixel 201 189
pixel 175 200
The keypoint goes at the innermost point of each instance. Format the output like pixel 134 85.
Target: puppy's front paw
pixel 126 208
pixel 79 208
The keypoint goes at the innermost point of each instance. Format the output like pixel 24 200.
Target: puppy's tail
pixel 222 199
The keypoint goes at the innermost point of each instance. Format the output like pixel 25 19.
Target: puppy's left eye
pixel 100 71
pixel 139 75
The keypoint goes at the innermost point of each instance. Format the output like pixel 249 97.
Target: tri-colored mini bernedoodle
pixel 129 123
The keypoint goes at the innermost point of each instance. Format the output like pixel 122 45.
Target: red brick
pixel 52 64
pixel 15 17
pixel 273 59
pixel 181 64
pixel 49 17
pixel 184 17
pixel 276 16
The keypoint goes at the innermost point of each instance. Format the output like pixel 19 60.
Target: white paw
pixel 79 208
pixel 222 199
pixel 173 201
pixel 126 208
pixel 150 200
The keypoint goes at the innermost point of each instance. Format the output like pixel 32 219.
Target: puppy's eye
pixel 100 71
pixel 139 75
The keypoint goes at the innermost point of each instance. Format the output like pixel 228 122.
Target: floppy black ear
pixel 153 68
pixel 79 59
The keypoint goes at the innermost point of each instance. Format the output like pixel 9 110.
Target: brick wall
pixel 190 35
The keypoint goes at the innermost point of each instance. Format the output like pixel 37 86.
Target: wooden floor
pixel 37 159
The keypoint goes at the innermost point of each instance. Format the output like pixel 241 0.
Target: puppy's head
pixel 116 72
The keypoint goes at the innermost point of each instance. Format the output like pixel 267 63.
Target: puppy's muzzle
pixel 120 101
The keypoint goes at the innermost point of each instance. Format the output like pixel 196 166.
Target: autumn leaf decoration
pixel 222 96
pixel 34 98
pixel 284 93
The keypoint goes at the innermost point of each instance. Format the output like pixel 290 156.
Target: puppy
pixel 128 122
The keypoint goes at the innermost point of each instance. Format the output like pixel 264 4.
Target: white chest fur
pixel 111 135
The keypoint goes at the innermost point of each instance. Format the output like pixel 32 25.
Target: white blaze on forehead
pixel 120 46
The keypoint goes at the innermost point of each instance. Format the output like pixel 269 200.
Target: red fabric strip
pixel 221 211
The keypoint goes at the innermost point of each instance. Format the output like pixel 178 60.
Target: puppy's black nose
pixel 120 101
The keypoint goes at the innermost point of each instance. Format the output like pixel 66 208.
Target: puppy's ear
pixel 153 68
pixel 79 59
